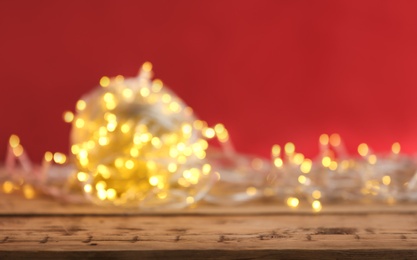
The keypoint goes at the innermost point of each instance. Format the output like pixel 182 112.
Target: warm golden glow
pixel 251 191
pixel 82 176
pixel 111 126
pixel 127 93
pixel 104 81
pixel 129 164
pixel 166 98
pixel 111 194
pixel 102 194
pixel 48 156
pixel 316 205
pixel 292 202
pixel 88 188
pixel 363 149
pixel 209 132
pixel 79 123
pixel 144 92
pixel 333 165
pixel 119 79
pixel 198 124
pixel 81 105
pixel 335 140
pixel 221 133
pixel 103 140
pixel 125 128
pixel 147 66
pixel 278 162
pixel 276 150
pixel 18 150
pixel 306 165
pixel 386 180
pixel 157 85
pixel 298 158
pixel 7 187
pixel 372 159
pixel 324 139
pixel 28 191
pixel 134 138
pixel 326 161
pixel 190 200
pixel 396 148
pixel 68 116
pixel 101 185
pixel 219 128
pixel 153 180
pixel 206 168
pixel 316 194
pixel 60 158
pixel 289 148
pixel 14 141
pixel 345 164
pixel 302 179
pixel 175 107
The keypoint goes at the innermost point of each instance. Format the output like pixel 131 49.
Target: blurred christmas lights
pixel 135 143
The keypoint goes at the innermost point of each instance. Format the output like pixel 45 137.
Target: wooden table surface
pixel 43 228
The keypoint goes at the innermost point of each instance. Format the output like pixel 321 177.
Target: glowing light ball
pixel 134 142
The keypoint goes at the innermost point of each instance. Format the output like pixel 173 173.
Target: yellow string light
pixel 293 202
pixel 363 149
pixel 134 141
pixel 324 139
pixel 396 148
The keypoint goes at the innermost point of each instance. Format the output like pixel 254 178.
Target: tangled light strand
pixel 135 143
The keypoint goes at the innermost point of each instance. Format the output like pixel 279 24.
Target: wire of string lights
pixel 134 143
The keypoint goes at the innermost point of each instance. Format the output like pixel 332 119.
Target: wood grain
pixel 46 229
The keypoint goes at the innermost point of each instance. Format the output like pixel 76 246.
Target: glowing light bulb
pixel 28 191
pixel 278 162
pixel 306 165
pixel 333 165
pixel 104 81
pixel 396 148
pixel 292 202
pixel 363 150
pixel 386 180
pixel 326 161
pixel 324 139
pixel 372 159
pixel 7 187
pixel 48 156
pixel 209 133
pixel 316 194
pixel 276 150
pixel 335 140
pixel 316 205
pixel 289 148
pixel 134 138
pixel 157 85
pixel 302 179
pixel 60 158
pixel 298 158
pixel 251 191
pixel 81 105
pixel 68 116
pixel 14 141
pixel 147 66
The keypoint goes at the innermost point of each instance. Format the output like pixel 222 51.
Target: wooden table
pixel 46 229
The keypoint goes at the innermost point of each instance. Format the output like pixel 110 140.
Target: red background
pixel 271 71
